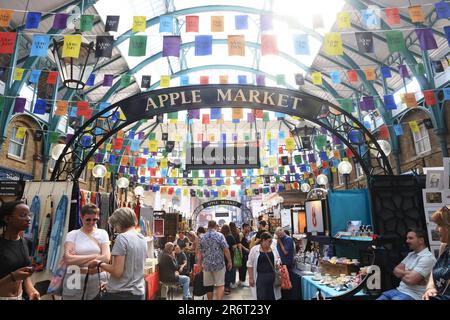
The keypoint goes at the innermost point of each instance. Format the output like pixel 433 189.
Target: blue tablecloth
pixel 309 289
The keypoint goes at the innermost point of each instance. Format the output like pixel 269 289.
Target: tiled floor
pixel 236 294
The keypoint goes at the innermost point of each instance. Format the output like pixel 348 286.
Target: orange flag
pixel 236 45
pixel 61 107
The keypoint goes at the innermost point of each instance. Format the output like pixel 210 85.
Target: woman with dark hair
pixel 15 265
pixel 439 283
pixel 261 264
pixel 230 275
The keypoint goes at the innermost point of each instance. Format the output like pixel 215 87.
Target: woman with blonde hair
pixel 438 287
pixel 126 271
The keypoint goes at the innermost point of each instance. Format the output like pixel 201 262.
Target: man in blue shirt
pixel 285 247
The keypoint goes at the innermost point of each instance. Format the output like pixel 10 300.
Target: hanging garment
pixel 94 198
pixel 137 210
pixel 57 233
pixel 32 233
pixel 104 210
pixel 40 258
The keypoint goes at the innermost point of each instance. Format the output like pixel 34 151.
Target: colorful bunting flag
pixel 236 45
pixel 386 72
pixel 416 14
pixel 281 81
pixel 370 74
pixel 112 23
pixel 33 19
pixel 71 47
pixel 395 40
pixel 447 93
pixel 430 97
pixel 138 46
pixel 368 103
pixel 442 10
pixel 398 129
pixel 403 71
pixel 139 23
pixel 414 127
pixel 60 21
pixel 91 80
pixel 20 133
pixel 316 78
pixel 171 46
pixel 18 74
pixel 269 44
pixel 392 16
pixel 437 66
pixel 365 42
pixel 108 80
pixel 192 23
pixel 352 76
pixel 166 24
pixel 7 41
pixel 371 18
pixel 346 104
pixel 410 100
pixel 52 77
pixel 266 22
pixel 299 79
pixel 40 106
pixel 389 102
pixel 204 80
pixel 301 44
pixel 39 45
pixel 333 44
pixel 260 80
pixel 19 105
pixel 242 79
pixel 241 22
pixel 217 24
pixel 426 39
pixel 34 76
pixel 164 81
pixel 125 80
pixel 86 22
pixel 335 77
pixel 5 17
pixel 61 108
pixel 343 20
pixel 104 46
pixel 146 81
pixel 203 45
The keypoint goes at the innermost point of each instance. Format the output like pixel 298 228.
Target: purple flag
pixel 122 169
pixel 368 103
pixel 260 80
pixel 426 39
pixel 60 21
pixel 335 140
pixel 194 114
pixel 98 157
pixel 68 138
pixel 19 105
pixel 311 157
pixel 171 46
pixel 108 80
pixel 266 22
pixel 403 71
pixel 250 117
pixel 141 135
pixel 323 130
pixel 206 173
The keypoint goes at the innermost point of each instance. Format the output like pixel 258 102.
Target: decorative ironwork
pixel 97 130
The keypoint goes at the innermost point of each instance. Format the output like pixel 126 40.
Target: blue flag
pixel 91 80
pixel 301 44
pixel 33 20
pixel 281 135
pixel 135 145
pixel 34 76
pixel 389 102
pixel 447 33
pixel 203 45
pixel 279 115
pixel 242 79
pixel 241 22
pixel 166 24
pixel 142 179
pixel 151 163
pixel 73 112
pixel 39 107
pixel 398 129
pixel 112 159
pixel 386 72
pixel 447 93
pixel 39 47
pixel 216 114
pixel 442 10
pixel 335 77
pixel 184 80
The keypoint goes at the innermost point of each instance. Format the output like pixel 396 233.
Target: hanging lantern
pixel 75 72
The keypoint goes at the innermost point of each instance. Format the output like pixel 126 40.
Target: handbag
pixel 285 281
pixel 57 281
pixel 237 258
pixel 101 292
pixel 277 281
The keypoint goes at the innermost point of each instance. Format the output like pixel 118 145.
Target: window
pixel 17 146
pixel 422 140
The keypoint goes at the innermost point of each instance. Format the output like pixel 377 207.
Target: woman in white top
pixel 81 247
pixel 262 260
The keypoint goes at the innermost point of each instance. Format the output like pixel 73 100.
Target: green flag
pixel 420 68
pixel 298 159
pixel 199 193
pixel 321 141
pixel 281 170
pixel 152 136
pixel 125 80
pixel 172 115
pixel 266 117
pixel 395 41
pixel 194 173
pixel 346 104
pixel 138 46
pixel 281 80
pixel 86 22
pixel 200 182
pixel 2 103
pixel 246 137
pixel 53 137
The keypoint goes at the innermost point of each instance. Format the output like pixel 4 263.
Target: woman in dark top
pixel 230 275
pixel 15 263
pixel 182 261
pixel 245 246
pixel 439 284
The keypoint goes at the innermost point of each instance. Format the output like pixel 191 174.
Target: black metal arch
pixel 153 103
pixel 221 202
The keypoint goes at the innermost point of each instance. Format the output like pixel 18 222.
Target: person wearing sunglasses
pixel 81 247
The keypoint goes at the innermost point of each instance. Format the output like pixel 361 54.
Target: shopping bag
pixel 57 282
pixel 285 281
pixel 237 258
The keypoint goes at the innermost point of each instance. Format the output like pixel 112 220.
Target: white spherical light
pixel 139 191
pixel 57 151
pixel 99 171
pixel 322 179
pixel 345 167
pixel 123 183
pixel 384 145
pixel 305 187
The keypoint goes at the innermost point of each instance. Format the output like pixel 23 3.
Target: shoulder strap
pixel 271 264
pixel 93 239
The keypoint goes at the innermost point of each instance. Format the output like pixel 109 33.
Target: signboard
pixel 219 156
pixel 12 188
pixel 219 203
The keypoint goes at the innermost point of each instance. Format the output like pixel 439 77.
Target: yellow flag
pixel 108 146
pixel 238 113
pixel 212 138
pixel 163 163
pixel 414 127
pixel 272 162
pixel 180 182
pixel 316 78
pixel 185 192
pixel 71 47
pixel 18 74
pixel 269 135
pixel 139 23
pixel 120 134
pixel 236 45
pixel 223 79
pixel 174 173
pixel 333 169
pixel 333 44
pixel 343 20
pixel 20 133
pixel 5 17
pixel 410 100
pixel 90 165
pixel 108 174
pixel 370 74
pixel 122 116
pixel 311 181
pixel 290 144
pixel 258 180
pixel 153 146
pixel 260 171
pixel 249 192
pixel 217 24
pixel 124 161
pixel 164 81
